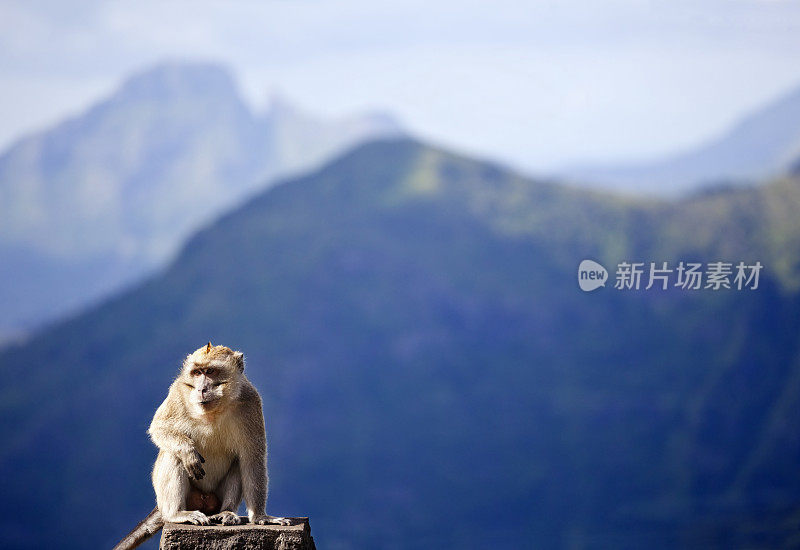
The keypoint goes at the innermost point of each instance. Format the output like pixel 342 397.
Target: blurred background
pixel 384 206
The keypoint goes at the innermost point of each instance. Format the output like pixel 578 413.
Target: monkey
pixel 212 447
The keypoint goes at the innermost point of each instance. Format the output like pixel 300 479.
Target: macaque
pixel 212 447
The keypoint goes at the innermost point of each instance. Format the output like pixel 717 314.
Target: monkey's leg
pixel 171 483
pixel 230 491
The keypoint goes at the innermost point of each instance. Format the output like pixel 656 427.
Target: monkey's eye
pixel 195 372
pixel 211 372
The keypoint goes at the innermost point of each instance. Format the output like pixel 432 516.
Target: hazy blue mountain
pixel 763 144
pixel 432 375
pixel 97 201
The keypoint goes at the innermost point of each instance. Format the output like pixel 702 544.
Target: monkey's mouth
pixel 207 402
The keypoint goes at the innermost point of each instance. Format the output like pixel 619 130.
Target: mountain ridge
pixel 412 321
pixel 124 182
pixel 762 144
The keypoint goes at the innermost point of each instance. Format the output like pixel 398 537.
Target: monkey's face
pixel 210 378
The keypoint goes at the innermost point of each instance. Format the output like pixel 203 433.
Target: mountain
pixel 99 200
pixel 431 373
pixel 761 145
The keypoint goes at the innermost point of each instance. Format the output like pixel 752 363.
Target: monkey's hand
pixel 226 517
pixel 192 461
pixel 264 519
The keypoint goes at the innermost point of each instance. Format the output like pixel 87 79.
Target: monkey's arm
pixel 166 434
pixel 253 465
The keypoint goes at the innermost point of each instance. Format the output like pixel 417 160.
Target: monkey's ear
pixel 238 357
pixel 208 347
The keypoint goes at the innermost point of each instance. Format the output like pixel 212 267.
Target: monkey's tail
pixel 148 527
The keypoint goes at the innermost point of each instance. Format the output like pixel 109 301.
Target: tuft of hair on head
pixel 208 347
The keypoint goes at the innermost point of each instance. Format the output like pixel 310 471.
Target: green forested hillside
pixel 433 376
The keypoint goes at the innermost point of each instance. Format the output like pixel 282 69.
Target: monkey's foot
pixel 194 517
pixel 269 520
pixel 226 518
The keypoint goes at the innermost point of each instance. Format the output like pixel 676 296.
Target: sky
pixel 536 84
